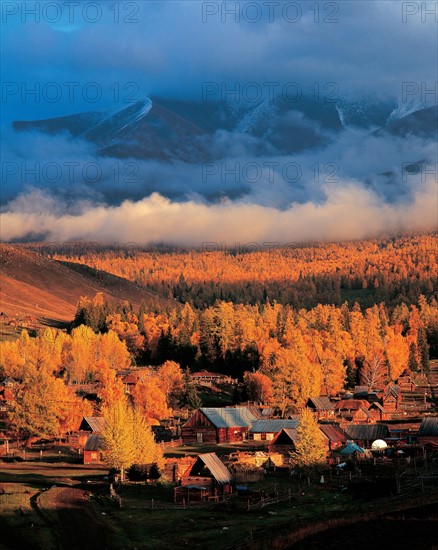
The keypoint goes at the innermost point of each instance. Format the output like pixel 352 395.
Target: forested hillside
pixel 393 271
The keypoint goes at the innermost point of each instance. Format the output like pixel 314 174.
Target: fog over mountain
pixel 211 130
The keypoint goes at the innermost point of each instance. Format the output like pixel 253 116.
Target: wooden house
pixel 93 424
pixel 217 425
pixel 354 410
pixel 335 435
pixel 130 380
pixel 207 478
pixel 266 430
pixel 205 378
pixel 323 408
pixel 77 440
pixel 365 434
pixel 284 442
pixel 89 425
pixel 93 449
pixel 378 412
pixel 428 432
pixel 392 398
pixel 405 381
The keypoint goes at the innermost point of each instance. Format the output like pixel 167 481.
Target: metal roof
pixel 333 432
pixel 367 431
pixel 96 423
pixel 429 426
pixel 216 467
pixel 321 403
pixel 271 426
pixel 94 443
pixel 229 417
pixel 361 389
pixel 351 448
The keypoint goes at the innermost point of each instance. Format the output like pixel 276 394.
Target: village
pixel 376 445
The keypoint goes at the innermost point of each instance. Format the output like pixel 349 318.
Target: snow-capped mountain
pixel 163 129
pixel 407 108
pixel 362 112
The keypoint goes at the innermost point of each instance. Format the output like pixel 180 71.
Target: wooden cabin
pixel 365 434
pixel 323 408
pixel 405 381
pixel 392 398
pixel 205 378
pixel 284 442
pixel 217 425
pixel 93 424
pixel 354 410
pixel 266 430
pixel 428 432
pixel 378 412
pixel 77 440
pixel 89 425
pixel 93 449
pixel 207 478
pixel 335 435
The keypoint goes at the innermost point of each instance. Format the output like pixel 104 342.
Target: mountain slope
pixel 31 284
pixel 422 123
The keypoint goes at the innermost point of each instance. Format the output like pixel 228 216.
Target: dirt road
pixel 77 524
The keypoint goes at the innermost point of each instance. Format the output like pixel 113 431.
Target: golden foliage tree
pixel 150 399
pixel 170 379
pixel 128 438
pixel 258 387
pixel 310 447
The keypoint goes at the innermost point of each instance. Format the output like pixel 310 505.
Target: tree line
pixel 392 270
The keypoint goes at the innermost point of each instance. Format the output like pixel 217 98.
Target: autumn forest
pixel 273 319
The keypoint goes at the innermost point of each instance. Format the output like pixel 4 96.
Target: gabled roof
pixel 429 427
pixel 333 432
pixel 367 431
pixel 376 404
pixel 391 390
pixel 94 443
pixel 320 403
pixel 285 434
pixel 229 417
pixel 131 378
pixel 94 423
pixel 215 466
pixel 272 426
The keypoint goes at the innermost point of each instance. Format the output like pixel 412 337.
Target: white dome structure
pixel 378 445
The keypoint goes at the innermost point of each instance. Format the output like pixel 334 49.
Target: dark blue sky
pixel 88 55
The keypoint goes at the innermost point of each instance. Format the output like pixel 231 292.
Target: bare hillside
pixel 33 285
